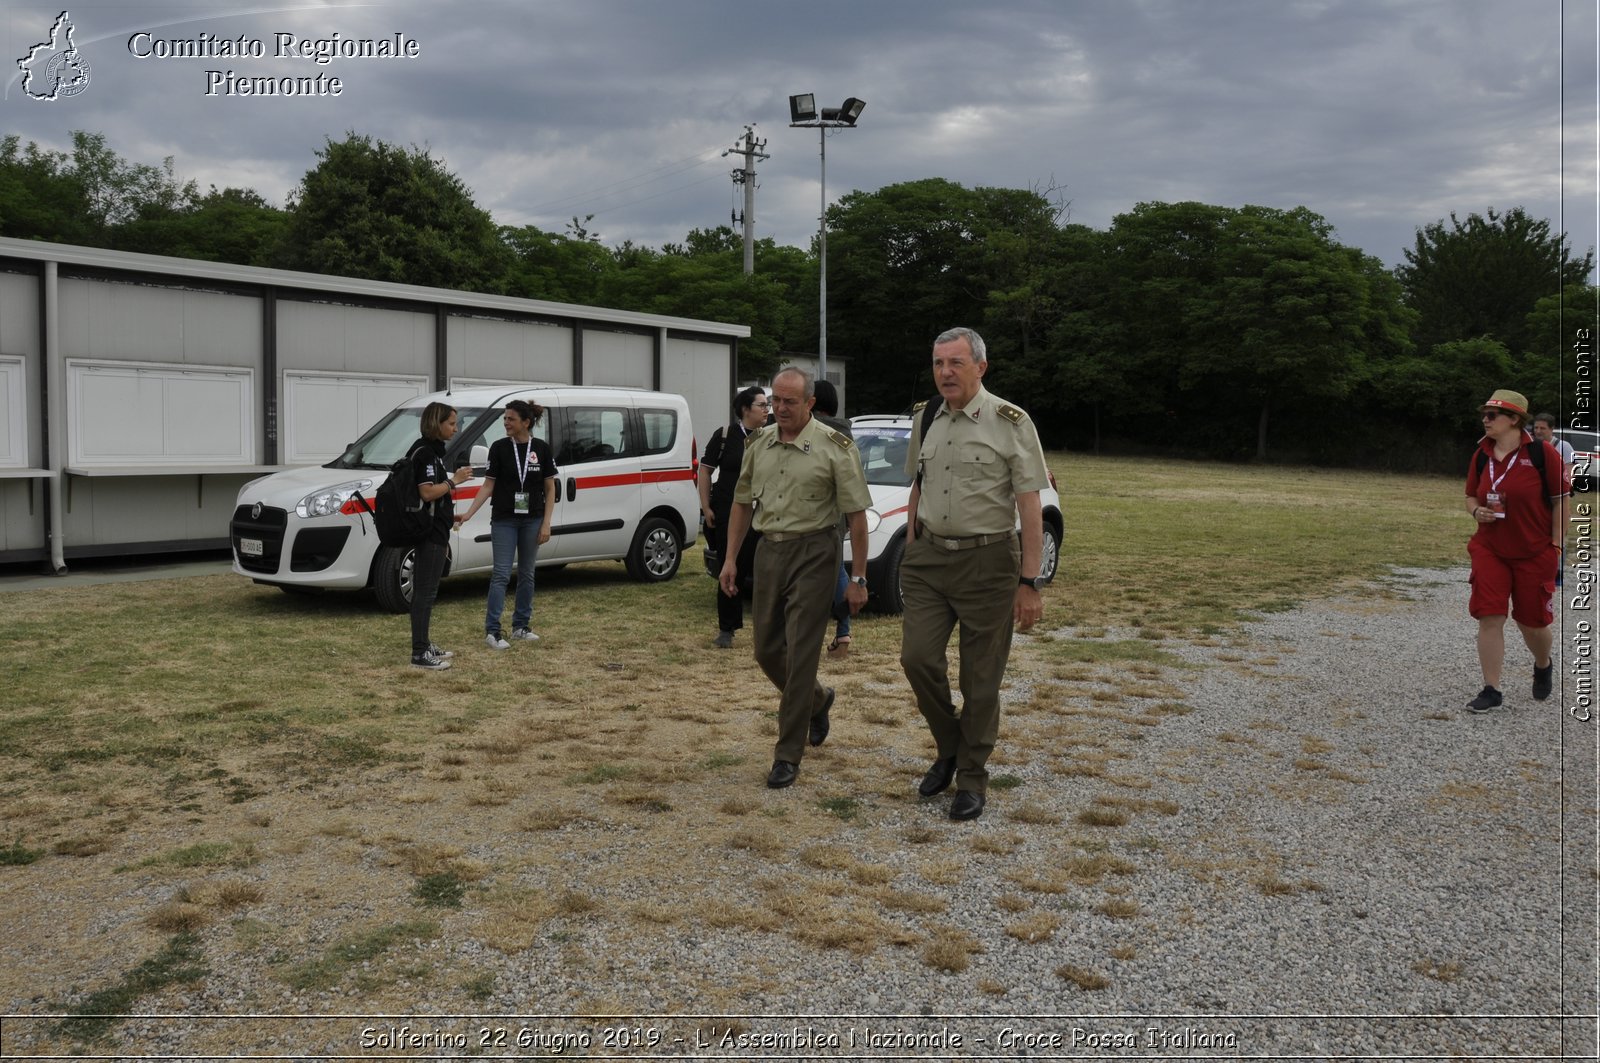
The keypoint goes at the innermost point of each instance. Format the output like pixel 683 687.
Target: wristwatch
pixel 1037 582
pixel 859 581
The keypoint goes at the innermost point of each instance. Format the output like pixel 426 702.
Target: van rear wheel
pixel 656 552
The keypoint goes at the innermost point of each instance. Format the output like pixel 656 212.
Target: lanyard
pixel 525 462
pixel 1511 461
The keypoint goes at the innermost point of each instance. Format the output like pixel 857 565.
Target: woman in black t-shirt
pixel 434 485
pixel 521 504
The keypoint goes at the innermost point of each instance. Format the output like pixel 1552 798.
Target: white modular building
pixel 139 392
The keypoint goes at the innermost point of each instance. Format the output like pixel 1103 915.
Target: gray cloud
pixel 1382 116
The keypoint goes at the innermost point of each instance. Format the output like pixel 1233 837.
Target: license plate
pixel 250 547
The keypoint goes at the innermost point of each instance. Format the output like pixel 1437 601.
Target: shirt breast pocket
pixel 978 462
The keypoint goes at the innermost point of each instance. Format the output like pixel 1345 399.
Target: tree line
pixel 1190 328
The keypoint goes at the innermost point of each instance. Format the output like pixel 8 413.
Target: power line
pixel 626 184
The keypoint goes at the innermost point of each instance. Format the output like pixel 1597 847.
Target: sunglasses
pixel 1489 415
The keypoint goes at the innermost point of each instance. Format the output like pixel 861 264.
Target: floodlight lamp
pixel 803 108
pixel 852 110
pixel 830 114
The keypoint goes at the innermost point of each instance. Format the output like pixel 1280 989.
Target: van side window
pixel 593 434
pixel 660 430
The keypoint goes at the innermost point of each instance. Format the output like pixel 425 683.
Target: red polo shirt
pixel 1525 529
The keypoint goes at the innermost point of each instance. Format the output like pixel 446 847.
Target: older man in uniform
pixel 798 475
pixel 978 468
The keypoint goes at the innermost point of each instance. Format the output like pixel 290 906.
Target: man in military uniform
pixel 797 476
pixel 978 469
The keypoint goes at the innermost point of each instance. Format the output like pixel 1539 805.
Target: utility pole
pixel 747 177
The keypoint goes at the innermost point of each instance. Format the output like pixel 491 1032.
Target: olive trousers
pixel 790 608
pixel 976 589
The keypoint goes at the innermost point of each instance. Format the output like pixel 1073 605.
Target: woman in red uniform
pixel 1521 513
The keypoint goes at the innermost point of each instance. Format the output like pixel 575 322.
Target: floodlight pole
pixel 829 118
pixel 822 261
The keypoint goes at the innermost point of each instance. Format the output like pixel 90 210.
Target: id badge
pixel 519 503
pixel 1497 504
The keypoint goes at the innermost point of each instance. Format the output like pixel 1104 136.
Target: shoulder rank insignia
pixel 1011 413
pixel 918 407
pixel 840 438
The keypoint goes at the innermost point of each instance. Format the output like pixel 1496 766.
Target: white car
pixel 882 442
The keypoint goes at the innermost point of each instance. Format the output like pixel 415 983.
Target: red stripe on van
pixel 657 476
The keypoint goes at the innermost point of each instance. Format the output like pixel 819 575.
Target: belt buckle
pixel 951 544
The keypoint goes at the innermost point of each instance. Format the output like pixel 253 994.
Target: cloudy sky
pixel 1381 115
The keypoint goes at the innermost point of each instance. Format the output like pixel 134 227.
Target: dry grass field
pixel 219 795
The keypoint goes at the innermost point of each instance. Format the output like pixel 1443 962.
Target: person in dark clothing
pixel 724 451
pixel 434 485
pixel 827 411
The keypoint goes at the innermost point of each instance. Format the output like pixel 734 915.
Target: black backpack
pixel 398 511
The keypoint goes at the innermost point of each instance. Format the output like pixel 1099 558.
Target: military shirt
pixel 801 486
pixel 974 463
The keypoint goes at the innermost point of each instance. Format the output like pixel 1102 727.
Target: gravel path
pixel 1324 855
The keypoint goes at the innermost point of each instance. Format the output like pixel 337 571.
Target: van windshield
pixel 388 441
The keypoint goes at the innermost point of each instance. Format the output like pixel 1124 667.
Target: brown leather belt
pixel 963 542
pixel 789 537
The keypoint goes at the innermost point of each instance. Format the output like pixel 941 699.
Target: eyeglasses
pixel 759 405
pixel 1489 415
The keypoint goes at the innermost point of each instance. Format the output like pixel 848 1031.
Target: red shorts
pixel 1529 583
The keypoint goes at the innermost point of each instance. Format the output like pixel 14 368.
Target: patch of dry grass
pixel 950 949
pixel 1040 926
pixel 1118 908
pixel 1439 970
pixel 1082 977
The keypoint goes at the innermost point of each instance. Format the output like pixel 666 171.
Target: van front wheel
pixel 656 552
pixel 392 577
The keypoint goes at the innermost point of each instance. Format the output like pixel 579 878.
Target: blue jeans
pixel 518 536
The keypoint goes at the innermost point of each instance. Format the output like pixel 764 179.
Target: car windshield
pixel 388 441
pixel 883 453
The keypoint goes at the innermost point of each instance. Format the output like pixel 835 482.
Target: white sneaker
pixel 522 634
pixel 495 642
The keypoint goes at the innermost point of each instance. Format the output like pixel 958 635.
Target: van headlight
pixel 874 519
pixel 330 500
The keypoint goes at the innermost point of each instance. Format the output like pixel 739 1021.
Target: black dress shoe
pixel 937 781
pixel 967 805
pixel 819 722
pixel 782 774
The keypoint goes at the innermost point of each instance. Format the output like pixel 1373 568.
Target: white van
pixel 625 484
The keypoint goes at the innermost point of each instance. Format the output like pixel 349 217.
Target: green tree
pixel 231 225
pixel 374 210
pixel 83 197
pixel 907 262
pixel 1232 318
pixel 1450 383
pixel 554 266
pixel 1548 372
pixel 1482 276
pixel 1284 323
pixel 701 279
